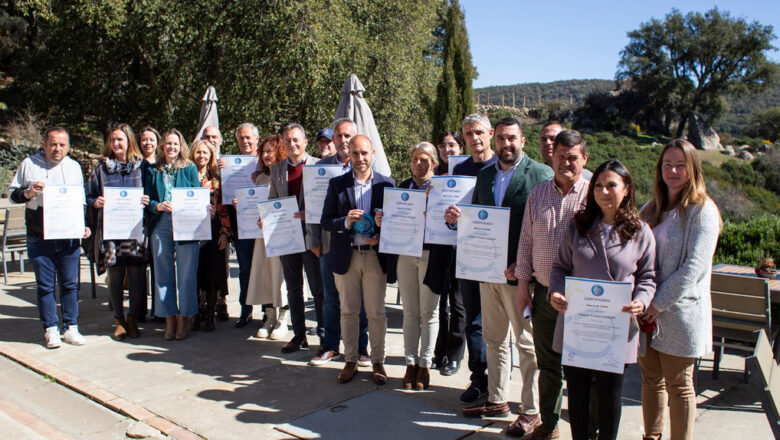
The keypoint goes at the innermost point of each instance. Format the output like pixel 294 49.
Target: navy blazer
pixel 340 199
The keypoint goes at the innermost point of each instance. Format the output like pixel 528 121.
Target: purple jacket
pixel 627 261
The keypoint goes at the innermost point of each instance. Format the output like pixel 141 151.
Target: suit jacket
pixel 340 199
pixel 278 184
pixel 186 177
pixel 528 174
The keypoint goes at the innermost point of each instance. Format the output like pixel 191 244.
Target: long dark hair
pixel 627 222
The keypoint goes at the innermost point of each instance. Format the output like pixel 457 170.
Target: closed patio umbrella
pixel 208 112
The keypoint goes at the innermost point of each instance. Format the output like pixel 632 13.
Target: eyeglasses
pixel 447 144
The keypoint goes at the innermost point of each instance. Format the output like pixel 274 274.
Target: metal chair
pixel 14 238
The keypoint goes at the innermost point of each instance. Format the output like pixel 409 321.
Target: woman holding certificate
pixel 120 167
pixel 212 276
pixel 605 241
pixel 686 224
pixel 172 169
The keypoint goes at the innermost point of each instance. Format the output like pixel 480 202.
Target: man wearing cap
pixel 325 143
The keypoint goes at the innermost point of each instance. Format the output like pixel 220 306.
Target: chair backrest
pixel 14 225
pixel 740 302
pixel 766 374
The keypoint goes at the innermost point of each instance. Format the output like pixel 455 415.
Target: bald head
pixel 212 134
pixel 361 153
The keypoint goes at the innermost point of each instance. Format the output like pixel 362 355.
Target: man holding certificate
pixel 507 184
pixel 52 167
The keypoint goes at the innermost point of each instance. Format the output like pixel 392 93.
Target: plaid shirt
pixel 548 213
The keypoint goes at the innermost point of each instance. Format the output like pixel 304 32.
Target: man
pixel 287 180
pixel 360 271
pixel 343 130
pixel 546 140
pixel 51 258
pixel 212 134
pixel 548 212
pixel 507 184
pixel 324 142
pixel 477 133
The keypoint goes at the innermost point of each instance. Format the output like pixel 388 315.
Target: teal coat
pixel 528 174
pixel 186 177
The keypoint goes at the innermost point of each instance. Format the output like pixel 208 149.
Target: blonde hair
pixel 133 152
pixel 211 167
pixel 427 148
pixel 181 160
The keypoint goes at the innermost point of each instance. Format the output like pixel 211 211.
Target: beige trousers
pixel 421 310
pixel 667 378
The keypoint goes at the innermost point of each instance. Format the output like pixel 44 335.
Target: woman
pixel 420 303
pixel 172 169
pixel 265 279
pixel 450 143
pixel 686 224
pixel 119 167
pixel 606 241
pixel 212 279
pixel 149 139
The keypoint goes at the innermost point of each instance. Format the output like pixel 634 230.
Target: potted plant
pixel 765 267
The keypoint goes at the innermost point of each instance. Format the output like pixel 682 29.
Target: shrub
pixel 743 242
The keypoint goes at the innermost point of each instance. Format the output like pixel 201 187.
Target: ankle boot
pixel 409 377
pixel 132 327
pixel 119 331
pixel 279 330
pixel 170 328
pixel 182 322
pixel 268 325
pixel 423 379
pixel 211 307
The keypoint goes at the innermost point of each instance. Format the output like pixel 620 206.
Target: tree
pixel 454 94
pixel 765 124
pixel 687 62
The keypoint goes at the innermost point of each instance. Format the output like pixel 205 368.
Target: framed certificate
pixel 315 186
pixel 282 233
pixel 123 214
pixel 191 218
pixel 445 192
pixel 237 173
pixel 246 210
pixel 63 212
pixel 403 223
pixel 483 239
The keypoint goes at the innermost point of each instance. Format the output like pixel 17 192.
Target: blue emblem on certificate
pixel 365 226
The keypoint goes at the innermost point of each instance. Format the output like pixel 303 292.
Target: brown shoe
pixel 324 355
pixel 348 372
pixel 524 424
pixel 132 327
pixel 541 433
pixel 486 409
pixel 182 323
pixel 170 328
pixel 379 377
pixel 119 331
pixel 423 379
pixel 409 377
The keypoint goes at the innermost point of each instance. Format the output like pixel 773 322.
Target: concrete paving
pixel 230 385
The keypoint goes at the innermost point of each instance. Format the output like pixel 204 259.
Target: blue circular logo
pixel 237 160
pixel 123 193
pixel 251 192
pixel 190 193
pixel 404 196
pixel 63 190
pixel 277 205
pixel 321 171
pixel 597 290
pixel 482 214
pixel 451 183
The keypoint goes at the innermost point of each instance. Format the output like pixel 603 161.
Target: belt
pixel 364 247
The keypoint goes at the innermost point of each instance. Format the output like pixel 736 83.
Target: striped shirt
pixel 548 213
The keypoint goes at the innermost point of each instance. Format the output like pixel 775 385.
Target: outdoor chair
pixel 14 238
pixel 765 374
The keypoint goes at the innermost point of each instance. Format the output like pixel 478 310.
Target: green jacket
pixel 528 174
pixel 186 177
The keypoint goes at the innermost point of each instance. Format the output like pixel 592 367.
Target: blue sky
pixel 521 41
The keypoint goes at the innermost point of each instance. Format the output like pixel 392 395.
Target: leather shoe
pixel 450 368
pixel 294 346
pixel 474 394
pixel 348 372
pixel 379 377
pixel 541 433
pixel 486 409
pixel 243 321
pixel 438 362
pixel 222 312
pixel 324 356
pixel 524 424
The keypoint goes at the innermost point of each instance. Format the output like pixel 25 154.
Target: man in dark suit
pixel 360 271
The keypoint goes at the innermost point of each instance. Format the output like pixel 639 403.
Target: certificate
pixel 123 214
pixel 403 223
pixel 483 238
pixel 282 232
pixel 191 218
pixel 246 210
pixel 63 212
pixel 315 186
pixel 454 160
pixel 237 173
pixel 445 192
pixel 595 330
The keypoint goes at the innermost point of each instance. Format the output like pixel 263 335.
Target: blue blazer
pixel 186 177
pixel 339 200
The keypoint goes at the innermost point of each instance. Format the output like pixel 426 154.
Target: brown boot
pixel 182 323
pixel 119 331
pixel 423 379
pixel 170 328
pixel 132 327
pixel 409 376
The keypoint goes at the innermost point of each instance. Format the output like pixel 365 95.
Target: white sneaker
pixel 52 336
pixel 279 330
pixel 268 325
pixel 73 337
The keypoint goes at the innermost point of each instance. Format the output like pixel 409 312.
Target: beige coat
pixel 265 278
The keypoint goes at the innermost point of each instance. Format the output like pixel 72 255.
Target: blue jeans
pixel 60 257
pixel 474 341
pixel 175 264
pixel 244 251
pixel 331 312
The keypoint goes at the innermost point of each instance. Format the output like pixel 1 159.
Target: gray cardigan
pixel 623 260
pixel 683 277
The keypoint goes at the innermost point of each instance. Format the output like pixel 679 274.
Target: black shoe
pixel 438 362
pixel 294 346
pixel 222 313
pixel 473 394
pixel 243 321
pixel 450 368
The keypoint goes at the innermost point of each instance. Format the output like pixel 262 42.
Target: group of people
pixel 564 221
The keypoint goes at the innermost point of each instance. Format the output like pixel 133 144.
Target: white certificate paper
pixel 315 186
pixel 454 160
pixel 595 331
pixel 63 212
pixel 445 192
pixel 191 218
pixel 123 214
pixel 483 238
pixel 403 223
pixel 282 233
pixel 237 173
pixel 246 210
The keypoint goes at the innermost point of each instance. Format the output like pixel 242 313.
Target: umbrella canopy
pixel 354 107
pixel 208 112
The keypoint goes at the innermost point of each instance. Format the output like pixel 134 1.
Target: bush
pixel 743 242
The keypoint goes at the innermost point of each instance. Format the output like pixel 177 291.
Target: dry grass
pixel 27 128
pixel 714 157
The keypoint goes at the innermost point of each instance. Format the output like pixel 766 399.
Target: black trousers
pixel 293 266
pixel 609 387
pixel 451 340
